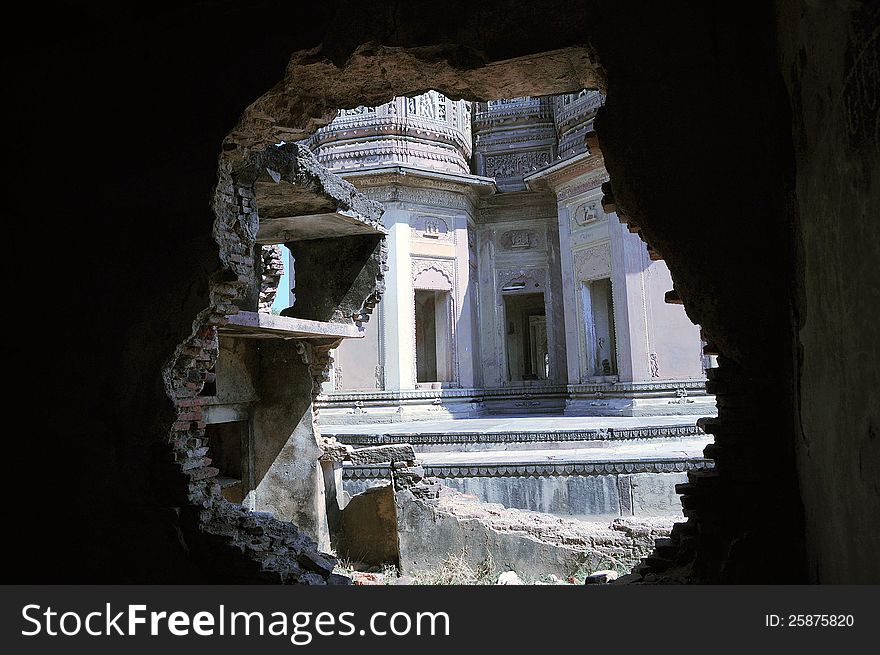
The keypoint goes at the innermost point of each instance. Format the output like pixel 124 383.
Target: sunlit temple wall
pixel 509 288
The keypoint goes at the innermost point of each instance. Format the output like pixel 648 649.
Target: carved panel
pixel 431 106
pixel 655 365
pixel 437 274
pixel 519 240
pixel 585 213
pixel 533 279
pixel 593 263
pixel 515 164
pixel 432 228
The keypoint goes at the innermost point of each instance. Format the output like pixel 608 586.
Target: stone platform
pixel 601 399
pixel 579 467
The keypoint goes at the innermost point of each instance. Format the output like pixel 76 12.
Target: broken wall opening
pixel 686 148
pixel 610 202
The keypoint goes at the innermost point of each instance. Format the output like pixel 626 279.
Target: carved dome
pixel 429 131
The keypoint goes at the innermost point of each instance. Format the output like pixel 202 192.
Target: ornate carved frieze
pixel 356 111
pixel 574 108
pixel 420 196
pixel 425 105
pixel 428 131
pixel 516 164
pixel 389 151
pixel 500 112
pixel 593 262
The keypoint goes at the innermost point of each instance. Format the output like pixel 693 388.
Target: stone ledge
pixel 257 325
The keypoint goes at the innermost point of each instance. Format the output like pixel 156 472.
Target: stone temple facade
pixel 510 288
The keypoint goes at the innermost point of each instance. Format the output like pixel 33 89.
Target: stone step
pixel 707 476
pixel 665 548
pixel 719 387
pixel 700 501
pixel 685 488
pixel 657 564
pixel 734 455
pixel 683 530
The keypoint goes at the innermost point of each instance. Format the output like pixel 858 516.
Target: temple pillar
pixel 464 307
pixel 398 309
pixel 629 261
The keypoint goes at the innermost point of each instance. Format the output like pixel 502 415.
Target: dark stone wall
pixel 830 61
pixel 118 119
pixel 288 477
pixel 113 142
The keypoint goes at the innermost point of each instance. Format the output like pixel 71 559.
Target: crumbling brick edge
pixel 233 544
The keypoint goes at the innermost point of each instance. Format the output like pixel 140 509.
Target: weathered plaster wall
pixel 237 367
pixel 830 60
pixel 672 336
pixel 490 537
pixel 355 360
pixel 367 530
pixel 288 477
pixel 577 496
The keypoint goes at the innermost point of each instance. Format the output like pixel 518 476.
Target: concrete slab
pixel 617 451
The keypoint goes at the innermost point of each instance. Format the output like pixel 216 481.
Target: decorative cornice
pixel 536 470
pixel 419 196
pixel 516 436
pixel 588 184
